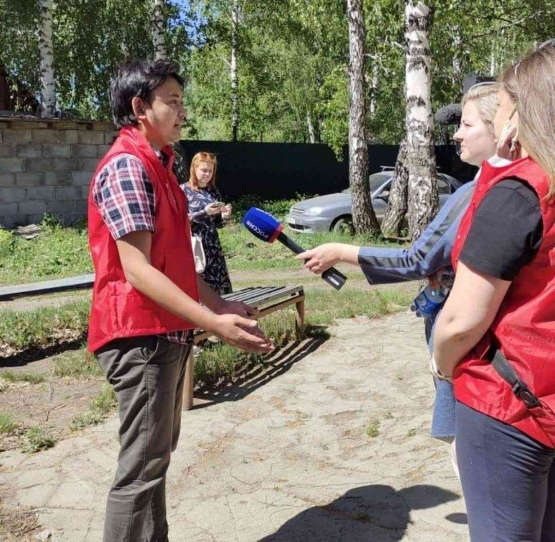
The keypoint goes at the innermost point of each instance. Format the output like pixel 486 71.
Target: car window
pixel 376 180
pixel 443 187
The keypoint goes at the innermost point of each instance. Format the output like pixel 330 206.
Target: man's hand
pixel 235 307
pixel 242 333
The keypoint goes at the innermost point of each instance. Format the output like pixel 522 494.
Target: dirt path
pixel 284 458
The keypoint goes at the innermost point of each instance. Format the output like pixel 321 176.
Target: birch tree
pixel 422 185
pixel 157 30
pixel 397 203
pixel 46 49
pixel 233 70
pixel 364 218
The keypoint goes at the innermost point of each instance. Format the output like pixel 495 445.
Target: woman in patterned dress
pixel 206 217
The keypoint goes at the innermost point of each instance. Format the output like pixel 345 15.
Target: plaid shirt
pixel 124 196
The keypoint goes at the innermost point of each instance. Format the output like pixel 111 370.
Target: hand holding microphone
pixel 320 259
pixel 267 228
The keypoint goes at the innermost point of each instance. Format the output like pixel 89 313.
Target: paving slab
pixel 285 460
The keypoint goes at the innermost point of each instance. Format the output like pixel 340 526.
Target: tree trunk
pixel 457 57
pixel 422 190
pixel 47 76
pixel 311 130
pixel 374 90
pixel 180 165
pixel 157 31
pixel 364 218
pixel 492 63
pixel 234 84
pixel 397 204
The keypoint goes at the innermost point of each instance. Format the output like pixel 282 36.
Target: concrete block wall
pixel 47 166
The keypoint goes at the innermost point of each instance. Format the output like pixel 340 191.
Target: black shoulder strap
pixel 507 373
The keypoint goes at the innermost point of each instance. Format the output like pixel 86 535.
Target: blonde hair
pixel 484 97
pixel 530 83
pixel 202 157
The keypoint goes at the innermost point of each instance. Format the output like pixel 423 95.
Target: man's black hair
pixel 138 78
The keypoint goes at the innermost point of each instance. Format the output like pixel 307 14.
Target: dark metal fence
pixel 281 170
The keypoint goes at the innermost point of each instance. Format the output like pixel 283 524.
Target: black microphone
pixel 267 228
pixel 450 114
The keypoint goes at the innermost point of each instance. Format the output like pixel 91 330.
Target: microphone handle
pixel 332 276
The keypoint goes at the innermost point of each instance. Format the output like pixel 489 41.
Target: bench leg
pixel 189 384
pixel 299 319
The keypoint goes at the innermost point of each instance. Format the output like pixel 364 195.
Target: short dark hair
pixel 138 78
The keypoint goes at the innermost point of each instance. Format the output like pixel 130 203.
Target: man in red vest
pixel 146 294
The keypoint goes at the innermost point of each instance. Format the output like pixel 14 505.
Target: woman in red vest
pixel 496 335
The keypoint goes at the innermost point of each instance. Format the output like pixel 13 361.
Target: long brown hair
pixel 530 83
pixel 202 157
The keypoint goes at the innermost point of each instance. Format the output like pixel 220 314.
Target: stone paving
pixel 283 458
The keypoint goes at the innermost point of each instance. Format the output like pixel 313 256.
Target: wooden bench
pixel 267 299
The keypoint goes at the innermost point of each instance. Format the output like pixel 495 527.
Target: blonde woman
pixel 432 251
pixel 496 334
pixel 207 213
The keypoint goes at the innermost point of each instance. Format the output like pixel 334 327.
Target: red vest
pixel 524 327
pixel 119 310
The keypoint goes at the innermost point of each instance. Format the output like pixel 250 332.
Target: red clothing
pixel 118 309
pixel 524 327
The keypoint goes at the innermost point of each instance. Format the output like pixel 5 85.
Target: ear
pixel 138 107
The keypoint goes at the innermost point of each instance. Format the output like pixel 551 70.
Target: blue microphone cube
pixel 262 225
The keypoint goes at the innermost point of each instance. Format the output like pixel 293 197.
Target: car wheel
pixel 343 224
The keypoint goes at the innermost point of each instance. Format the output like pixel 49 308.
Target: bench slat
pixel 259 295
pixel 46 287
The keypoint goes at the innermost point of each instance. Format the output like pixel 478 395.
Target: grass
pixel 76 364
pixel 14 376
pixel 219 360
pixel 57 252
pixel 38 439
pixel 324 305
pixel 101 406
pixel 44 326
pixel 8 426
pixel 411 433
pixel 244 252
pixel 60 251
pixel 373 429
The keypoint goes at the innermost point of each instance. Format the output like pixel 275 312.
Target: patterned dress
pixel 206 227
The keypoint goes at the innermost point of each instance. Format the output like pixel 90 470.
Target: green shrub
pixel 38 439
pixel 373 429
pixel 8 426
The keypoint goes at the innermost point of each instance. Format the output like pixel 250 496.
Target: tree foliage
pixel 292 58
